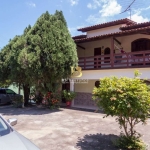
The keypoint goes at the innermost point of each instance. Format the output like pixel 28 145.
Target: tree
pixel 50 51
pixel 127 99
pixel 41 57
pixel 10 68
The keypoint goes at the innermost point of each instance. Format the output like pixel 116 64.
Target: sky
pixel 15 15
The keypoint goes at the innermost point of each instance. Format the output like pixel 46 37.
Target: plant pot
pixel 68 103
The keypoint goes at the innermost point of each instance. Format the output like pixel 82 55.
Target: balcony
pixel 139 59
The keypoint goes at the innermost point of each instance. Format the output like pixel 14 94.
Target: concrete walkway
pixel 68 129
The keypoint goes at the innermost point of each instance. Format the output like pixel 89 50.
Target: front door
pixel 97 51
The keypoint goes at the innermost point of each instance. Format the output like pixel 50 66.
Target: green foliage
pixel 130 97
pixel 126 98
pixel 136 73
pixel 52 100
pixel 41 56
pixel 5 83
pixel 68 95
pixel 130 143
pixel 49 51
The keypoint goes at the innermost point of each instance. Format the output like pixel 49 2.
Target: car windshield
pixel 4 128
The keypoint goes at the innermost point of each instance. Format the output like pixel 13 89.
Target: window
pixel 140 45
pixel 97 83
pixel 8 91
pixel 4 128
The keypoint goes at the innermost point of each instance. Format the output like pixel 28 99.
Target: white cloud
pixel 138 15
pixel 139 18
pixel 31 4
pixel 96 19
pixel 74 2
pixel 143 9
pixel 95 4
pixel 110 8
pixel 89 5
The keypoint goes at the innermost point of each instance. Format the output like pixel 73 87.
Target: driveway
pixel 68 129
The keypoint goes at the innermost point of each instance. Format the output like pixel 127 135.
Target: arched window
pixel 97 83
pixel 107 52
pixel 140 45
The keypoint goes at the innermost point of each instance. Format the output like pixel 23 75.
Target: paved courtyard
pixel 68 129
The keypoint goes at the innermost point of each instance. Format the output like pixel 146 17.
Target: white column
pixel 72 89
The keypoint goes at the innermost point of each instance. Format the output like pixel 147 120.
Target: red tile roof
pixel 134 26
pixel 79 37
pixel 122 33
pixel 107 24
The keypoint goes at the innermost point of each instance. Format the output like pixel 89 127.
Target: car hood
pixel 15 141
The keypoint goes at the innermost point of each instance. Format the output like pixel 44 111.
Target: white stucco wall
pixel 85 87
pixel 89 47
pixel 127 40
pixel 97 74
pixel 125 43
pixel 106 30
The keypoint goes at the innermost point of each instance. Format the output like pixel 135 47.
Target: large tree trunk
pixel 19 88
pixel 26 90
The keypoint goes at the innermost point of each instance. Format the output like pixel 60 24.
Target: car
pixel 11 139
pixel 8 95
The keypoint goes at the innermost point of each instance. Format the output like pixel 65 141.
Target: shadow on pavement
pixel 32 110
pixel 1 105
pixel 97 142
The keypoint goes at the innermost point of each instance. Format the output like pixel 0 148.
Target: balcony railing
pixel 122 60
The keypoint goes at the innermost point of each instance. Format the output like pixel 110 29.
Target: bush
pixel 51 100
pixel 132 143
pixel 127 99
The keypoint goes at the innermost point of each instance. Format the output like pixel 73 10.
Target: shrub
pixel 133 143
pixel 51 100
pixel 127 99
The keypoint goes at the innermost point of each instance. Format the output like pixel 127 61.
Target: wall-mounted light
pixel 102 51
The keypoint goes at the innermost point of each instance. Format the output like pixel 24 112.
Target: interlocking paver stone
pixel 68 129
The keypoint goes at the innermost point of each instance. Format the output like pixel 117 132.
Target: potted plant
pixel 69 96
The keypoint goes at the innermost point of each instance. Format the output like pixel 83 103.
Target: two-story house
pixel 114 48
